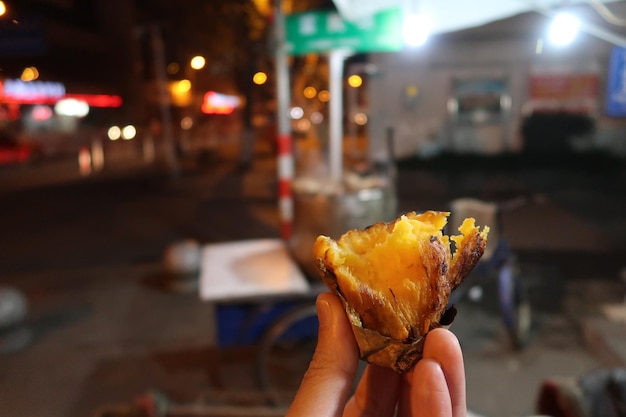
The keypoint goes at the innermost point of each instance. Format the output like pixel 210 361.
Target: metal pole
pixel 284 139
pixel 164 99
pixel 336 59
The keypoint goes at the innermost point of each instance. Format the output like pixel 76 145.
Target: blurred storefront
pixel 482 91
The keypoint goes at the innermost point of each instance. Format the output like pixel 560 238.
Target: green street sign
pixel 323 31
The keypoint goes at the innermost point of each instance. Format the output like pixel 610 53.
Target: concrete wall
pixel 422 125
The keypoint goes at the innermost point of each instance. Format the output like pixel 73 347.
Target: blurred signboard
pixel 323 31
pixel 616 83
pixel 23 37
pixel 562 91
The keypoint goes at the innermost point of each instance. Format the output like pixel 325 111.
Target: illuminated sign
pixel 216 103
pixel 16 91
pixel 97 100
pixel 577 93
pixel 33 90
pixel 322 31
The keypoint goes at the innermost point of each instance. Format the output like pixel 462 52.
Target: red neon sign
pixel 216 103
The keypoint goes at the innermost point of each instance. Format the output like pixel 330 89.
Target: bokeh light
pixel 197 62
pixel 317 117
pixel 3 8
pixel 309 92
pixel 29 74
pixel 303 125
pixel 355 81
pixel 186 123
pixel 360 119
pixel 173 68
pixel 183 86
pixel 129 132
pixel 114 133
pixel 259 78
pixel 296 113
pixel 324 96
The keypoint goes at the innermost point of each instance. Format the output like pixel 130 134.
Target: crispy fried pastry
pixel 395 281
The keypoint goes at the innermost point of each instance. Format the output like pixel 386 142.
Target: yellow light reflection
pixel 355 81
pixel 3 8
pixel 180 92
pixel 263 6
pixel 197 62
pixel 259 78
pixel 309 92
pixel 183 86
pixel 324 96
pixel 412 90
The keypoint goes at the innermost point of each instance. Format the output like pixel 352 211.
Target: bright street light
pixel 415 29
pixel 197 62
pixel 563 29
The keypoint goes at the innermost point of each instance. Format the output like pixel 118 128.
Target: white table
pixel 248 269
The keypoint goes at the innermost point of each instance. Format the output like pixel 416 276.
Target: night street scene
pixel 166 167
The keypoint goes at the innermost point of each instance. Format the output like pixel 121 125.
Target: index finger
pixel 327 384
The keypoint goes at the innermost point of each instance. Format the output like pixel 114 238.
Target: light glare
pixel 197 62
pixel 415 29
pixel 563 29
pixel 129 132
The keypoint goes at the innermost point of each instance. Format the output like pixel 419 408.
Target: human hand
pixel 434 388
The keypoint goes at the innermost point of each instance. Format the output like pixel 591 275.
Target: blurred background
pixel 137 135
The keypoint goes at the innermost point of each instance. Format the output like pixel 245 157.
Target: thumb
pixel 328 382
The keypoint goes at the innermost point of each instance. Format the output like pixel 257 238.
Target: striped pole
pixel 285 152
pixel 285 178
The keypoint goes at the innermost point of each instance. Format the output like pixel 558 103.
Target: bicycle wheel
pixel 284 353
pixel 514 303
